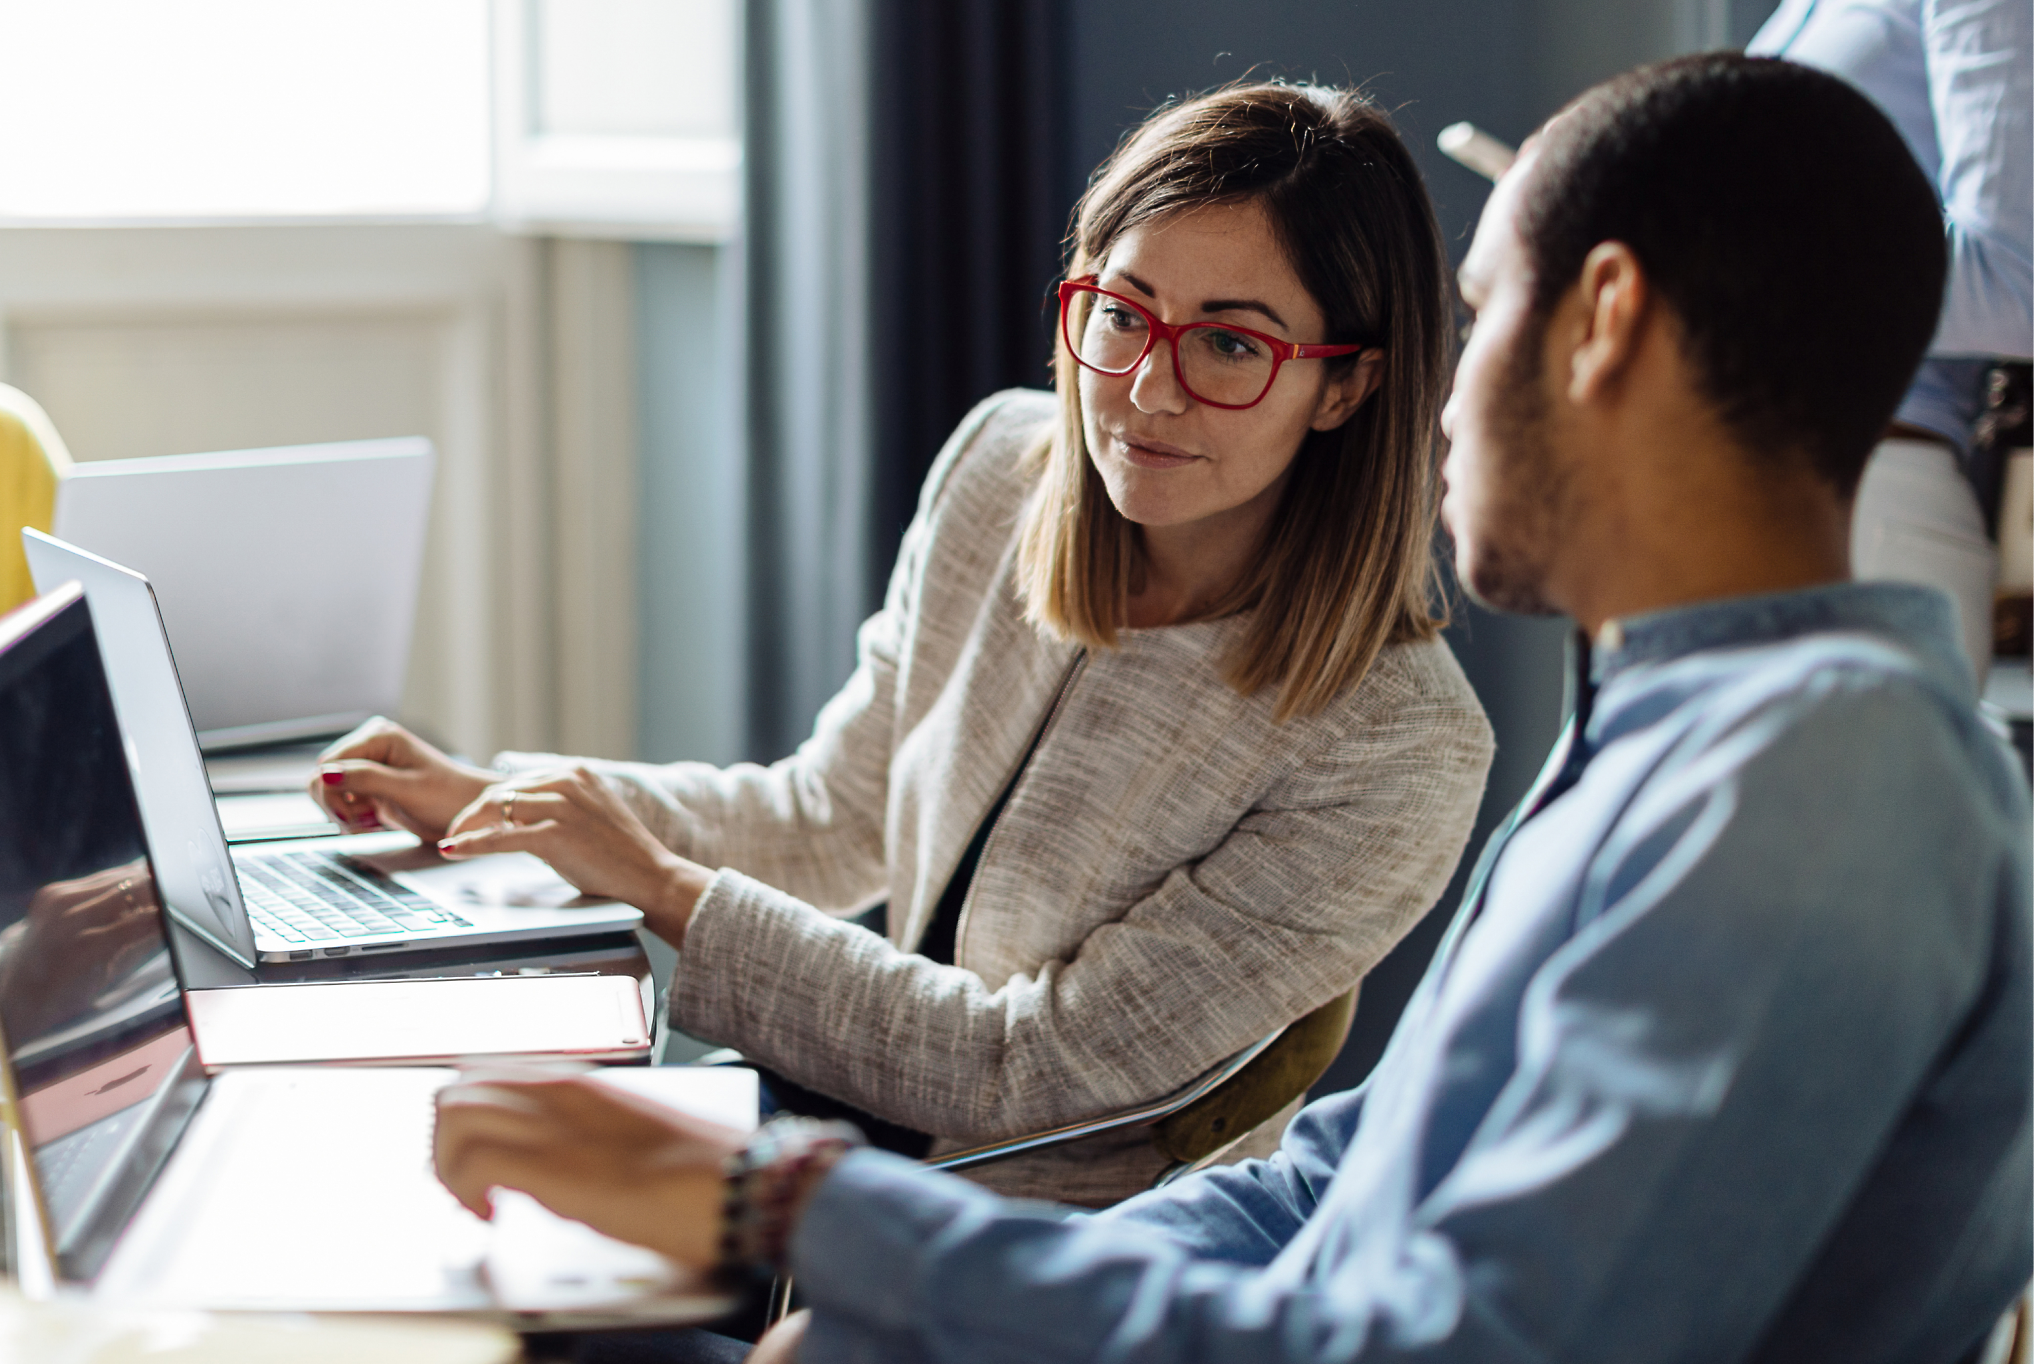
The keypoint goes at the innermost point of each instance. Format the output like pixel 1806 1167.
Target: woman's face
pixel 1167 459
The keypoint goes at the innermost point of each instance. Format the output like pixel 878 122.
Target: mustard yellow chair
pixel 33 461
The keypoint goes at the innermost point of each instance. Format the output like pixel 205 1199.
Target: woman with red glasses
pixel 1153 747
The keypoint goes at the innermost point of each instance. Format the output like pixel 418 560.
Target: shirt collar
pixel 1919 619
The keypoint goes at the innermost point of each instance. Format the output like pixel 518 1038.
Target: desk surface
pixel 89 1333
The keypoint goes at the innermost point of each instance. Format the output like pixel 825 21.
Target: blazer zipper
pixel 960 929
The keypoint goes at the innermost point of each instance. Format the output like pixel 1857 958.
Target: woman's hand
pixel 76 940
pixel 381 774
pixel 627 1168
pixel 573 821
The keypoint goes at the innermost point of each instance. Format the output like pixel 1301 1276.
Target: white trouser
pixel 1917 521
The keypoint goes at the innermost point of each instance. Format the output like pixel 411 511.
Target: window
pixel 209 110
pixel 610 117
pixel 618 117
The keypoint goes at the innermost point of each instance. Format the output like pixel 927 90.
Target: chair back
pixel 1274 1077
pixel 33 461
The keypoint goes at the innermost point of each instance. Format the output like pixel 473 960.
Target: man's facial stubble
pixel 1529 487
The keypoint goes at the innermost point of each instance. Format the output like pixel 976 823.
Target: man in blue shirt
pixel 1727 1054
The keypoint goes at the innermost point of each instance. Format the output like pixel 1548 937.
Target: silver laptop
pixel 292 900
pixel 280 633
pixel 272 1188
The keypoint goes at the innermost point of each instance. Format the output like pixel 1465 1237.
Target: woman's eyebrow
pixel 1214 305
pixel 1231 305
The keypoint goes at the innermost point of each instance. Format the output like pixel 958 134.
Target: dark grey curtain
pixel 906 193
pixel 970 121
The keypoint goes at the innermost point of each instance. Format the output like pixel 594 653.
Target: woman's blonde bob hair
pixel 1347 563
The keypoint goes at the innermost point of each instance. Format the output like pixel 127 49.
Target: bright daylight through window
pixel 609 118
pixel 235 109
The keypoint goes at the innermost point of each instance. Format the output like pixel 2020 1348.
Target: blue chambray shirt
pixel 1730 1059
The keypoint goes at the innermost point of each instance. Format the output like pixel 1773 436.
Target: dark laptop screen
pixel 95 1029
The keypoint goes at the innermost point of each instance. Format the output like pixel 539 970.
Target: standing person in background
pixel 1153 748
pixel 1957 79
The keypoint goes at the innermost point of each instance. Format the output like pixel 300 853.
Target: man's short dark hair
pixel 1784 222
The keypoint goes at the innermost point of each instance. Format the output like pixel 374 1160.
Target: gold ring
pixel 508 807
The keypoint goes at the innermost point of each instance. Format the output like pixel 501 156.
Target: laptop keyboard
pixel 68 1167
pixel 310 897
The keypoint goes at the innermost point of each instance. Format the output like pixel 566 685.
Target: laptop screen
pixel 274 640
pixel 98 1046
pixel 194 872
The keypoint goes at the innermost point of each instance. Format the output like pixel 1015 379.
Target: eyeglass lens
pixel 1216 364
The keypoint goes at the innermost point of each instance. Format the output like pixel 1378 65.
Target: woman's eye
pixel 1231 345
pixel 1120 317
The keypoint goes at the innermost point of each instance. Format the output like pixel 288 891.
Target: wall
pixel 169 340
pixel 692 547
pixel 1432 64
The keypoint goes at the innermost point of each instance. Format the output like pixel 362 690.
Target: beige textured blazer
pixel 1174 877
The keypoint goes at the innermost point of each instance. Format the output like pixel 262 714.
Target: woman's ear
pixel 1343 394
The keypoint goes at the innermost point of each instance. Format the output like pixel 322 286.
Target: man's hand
pixel 626 1167
pixel 574 822
pixel 381 774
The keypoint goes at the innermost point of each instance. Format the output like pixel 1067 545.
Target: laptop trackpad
pixel 509 880
pixel 306 1190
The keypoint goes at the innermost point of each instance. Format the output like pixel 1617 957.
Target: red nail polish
pixel 333 777
pixel 446 845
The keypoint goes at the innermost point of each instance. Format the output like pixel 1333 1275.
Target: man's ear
pixel 1344 393
pixel 1614 298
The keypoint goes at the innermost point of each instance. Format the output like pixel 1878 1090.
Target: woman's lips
pixel 1153 454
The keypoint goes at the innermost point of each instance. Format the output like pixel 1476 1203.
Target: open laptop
pixel 280 634
pixel 292 900
pixel 272 1188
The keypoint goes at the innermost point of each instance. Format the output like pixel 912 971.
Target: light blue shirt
pixel 1957 78
pixel 1729 1058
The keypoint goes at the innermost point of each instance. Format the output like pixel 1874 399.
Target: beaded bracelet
pixel 768 1181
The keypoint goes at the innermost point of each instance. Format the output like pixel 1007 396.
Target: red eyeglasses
pixel 1220 365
